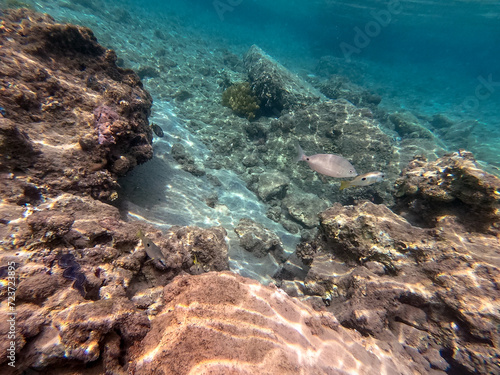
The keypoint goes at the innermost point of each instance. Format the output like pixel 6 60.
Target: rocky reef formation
pixel 73 121
pixel 275 86
pixel 433 289
pixel 411 292
pixel 121 291
pixel 84 287
pixel 238 326
pixel 453 185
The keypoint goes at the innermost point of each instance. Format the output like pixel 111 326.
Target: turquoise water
pixel 428 57
pixel 425 58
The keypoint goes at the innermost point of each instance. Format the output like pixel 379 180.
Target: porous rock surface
pixel 275 86
pixel 74 121
pixel 56 324
pixel 452 185
pixel 259 240
pixel 238 326
pixel 434 290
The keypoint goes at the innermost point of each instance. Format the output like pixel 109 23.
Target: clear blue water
pixel 427 57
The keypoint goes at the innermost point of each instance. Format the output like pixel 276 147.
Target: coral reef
pixel 240 98
pixel 411 292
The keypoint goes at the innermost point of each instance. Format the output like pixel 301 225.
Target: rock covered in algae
pixel 275 86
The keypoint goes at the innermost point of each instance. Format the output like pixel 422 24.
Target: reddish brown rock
pixel 74 121
pixel 38 288
pixel 57 323
pixel 431 290
pixel 207 245
pixel 222 323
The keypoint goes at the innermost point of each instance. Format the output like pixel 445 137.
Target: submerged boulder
pixel 259 240
pixel 73 120
pixel 275 86
pixel 429 288
pixel 223 323
pixel 453 185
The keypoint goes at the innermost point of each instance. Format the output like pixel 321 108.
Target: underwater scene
pixel 250 187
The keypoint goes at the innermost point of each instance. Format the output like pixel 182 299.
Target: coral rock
pixel 452 185
pixel 258 240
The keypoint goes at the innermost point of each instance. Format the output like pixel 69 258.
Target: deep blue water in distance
pixel 427 56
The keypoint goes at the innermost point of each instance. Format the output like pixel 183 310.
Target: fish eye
pixel 364 178
pixel 307 159
pixel 148 245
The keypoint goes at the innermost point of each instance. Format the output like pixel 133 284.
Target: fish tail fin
pixel 344 184
pixel 301 156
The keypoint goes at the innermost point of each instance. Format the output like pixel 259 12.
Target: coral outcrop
pixel 74 121
pixel 428 191
pixel 64 319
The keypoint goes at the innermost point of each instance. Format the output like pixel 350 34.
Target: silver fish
pixel 328 164
pixel 153 251
pixel 363 180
